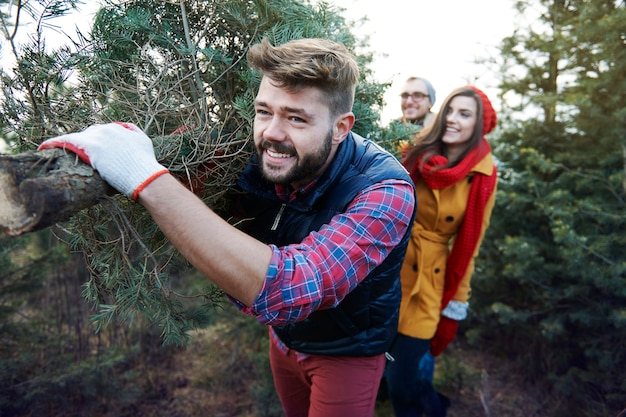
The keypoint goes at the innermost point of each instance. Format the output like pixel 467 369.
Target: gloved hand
pixel 120 152
pixel 446 332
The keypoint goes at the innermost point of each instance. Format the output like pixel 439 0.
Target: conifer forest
pixel 100 316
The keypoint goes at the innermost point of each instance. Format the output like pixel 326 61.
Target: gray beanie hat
pixel 431 90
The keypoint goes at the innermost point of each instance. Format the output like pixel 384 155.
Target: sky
pixel 434 39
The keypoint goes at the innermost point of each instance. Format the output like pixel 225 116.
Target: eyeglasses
pixel 414 96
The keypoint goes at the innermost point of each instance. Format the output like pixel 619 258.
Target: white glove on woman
pixel 120 152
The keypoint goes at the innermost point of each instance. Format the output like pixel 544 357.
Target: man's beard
pixel 306 167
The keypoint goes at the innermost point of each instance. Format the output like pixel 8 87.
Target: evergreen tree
pixel 550 289
pixel 46 342
pixel 178 70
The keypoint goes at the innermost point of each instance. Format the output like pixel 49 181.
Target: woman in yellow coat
pixel 455 178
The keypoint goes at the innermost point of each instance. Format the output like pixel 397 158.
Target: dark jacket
pixel 365 322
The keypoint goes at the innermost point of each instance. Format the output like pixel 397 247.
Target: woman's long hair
pixel 428 142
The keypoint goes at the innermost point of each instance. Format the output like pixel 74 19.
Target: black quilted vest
pixel 365 322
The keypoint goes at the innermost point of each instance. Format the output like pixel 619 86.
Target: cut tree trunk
pixel 39 189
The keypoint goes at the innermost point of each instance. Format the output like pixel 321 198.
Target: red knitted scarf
pixel 469 233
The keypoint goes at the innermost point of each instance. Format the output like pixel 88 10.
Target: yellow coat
pixel 439 216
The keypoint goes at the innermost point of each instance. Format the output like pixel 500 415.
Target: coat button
pixel 437 270
pixel 415 267
pixel 449 219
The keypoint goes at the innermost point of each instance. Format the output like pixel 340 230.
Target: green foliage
pixel 37 101
pixel 178 70
pixel 396 136
pixel 55 388
pixel 250 347
pixel 550 288
pixel 26 263
pixel 46 361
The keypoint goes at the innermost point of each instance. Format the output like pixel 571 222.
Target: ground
pixel 217 375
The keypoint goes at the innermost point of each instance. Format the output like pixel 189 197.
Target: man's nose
pixel 275 130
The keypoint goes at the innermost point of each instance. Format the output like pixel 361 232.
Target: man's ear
pixel 343 125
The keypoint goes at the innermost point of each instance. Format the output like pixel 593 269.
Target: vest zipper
pixel 278 216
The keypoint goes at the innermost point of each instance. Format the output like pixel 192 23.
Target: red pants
pixel 326 386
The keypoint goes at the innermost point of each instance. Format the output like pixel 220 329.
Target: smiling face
pixel 294 134
pixel 461 116
pixel 415 101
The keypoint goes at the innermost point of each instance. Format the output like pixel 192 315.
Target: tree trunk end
pixel 39 189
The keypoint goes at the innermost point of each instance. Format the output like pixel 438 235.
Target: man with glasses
pixel 417 98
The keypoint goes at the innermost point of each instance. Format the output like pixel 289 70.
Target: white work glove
pixel 120 152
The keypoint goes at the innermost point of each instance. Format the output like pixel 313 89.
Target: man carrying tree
pixel 329 214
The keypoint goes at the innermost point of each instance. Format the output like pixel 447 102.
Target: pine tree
pixel 550 289
pixel 178 70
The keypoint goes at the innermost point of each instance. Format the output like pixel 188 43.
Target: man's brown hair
pixel 310 62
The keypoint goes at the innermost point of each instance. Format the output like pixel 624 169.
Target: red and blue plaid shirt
pixel 320 271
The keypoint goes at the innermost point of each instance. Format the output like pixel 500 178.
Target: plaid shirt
pixel 320 271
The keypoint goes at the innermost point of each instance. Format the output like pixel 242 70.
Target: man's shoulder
pixel 366 143
pixel 371 160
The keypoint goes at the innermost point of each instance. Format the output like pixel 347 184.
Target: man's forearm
pixel 232 260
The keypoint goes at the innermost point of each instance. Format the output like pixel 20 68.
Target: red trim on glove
pixel 130 126
pixel 144 184
pixel 50 144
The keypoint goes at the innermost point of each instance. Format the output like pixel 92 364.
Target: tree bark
pixel 39 189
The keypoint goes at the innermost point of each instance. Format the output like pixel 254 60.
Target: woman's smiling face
pixel 461 118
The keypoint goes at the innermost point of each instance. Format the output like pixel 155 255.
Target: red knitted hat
pixel 489 114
